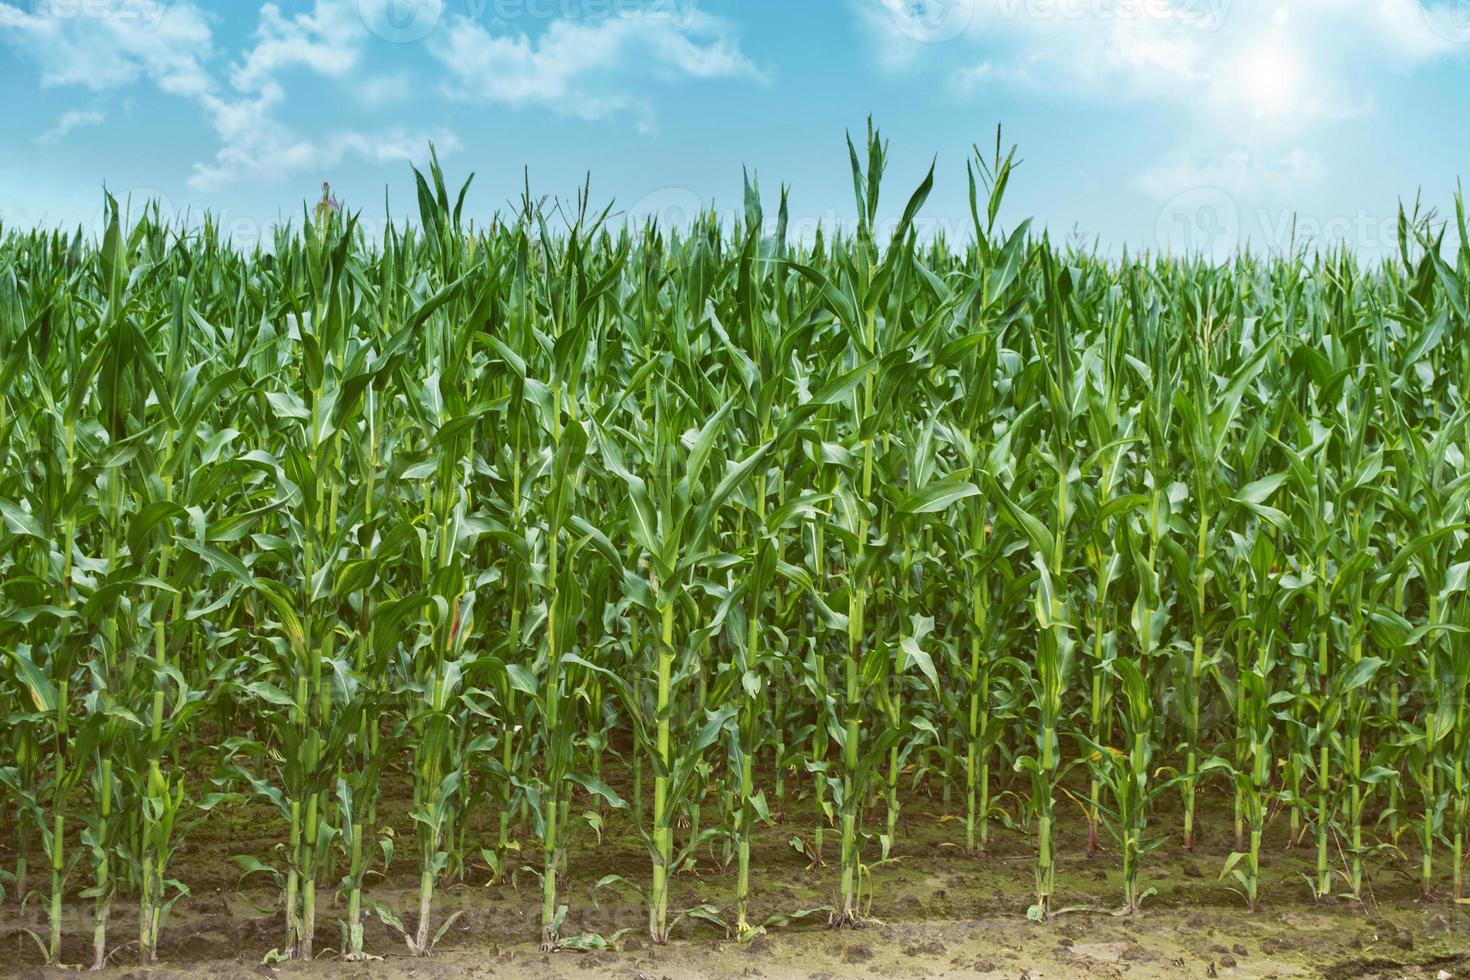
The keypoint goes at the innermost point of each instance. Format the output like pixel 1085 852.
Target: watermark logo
pixel 681 13
pixel 1204 15
pixel 1201 15
pixel 144 14
pixel 401 21
pixel 680 209
pixel 132 204
pixel 236 229
pixel 1200 221
pixel 1450 19
pixel 671 208
pixel 932 21
pixel 1208 222
pixel 410 21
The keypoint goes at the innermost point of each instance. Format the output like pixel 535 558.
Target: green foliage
pixel 581 523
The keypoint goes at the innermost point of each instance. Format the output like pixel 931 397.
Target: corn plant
pixel 1126 773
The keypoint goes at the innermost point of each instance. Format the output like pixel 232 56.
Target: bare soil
pixel 935 912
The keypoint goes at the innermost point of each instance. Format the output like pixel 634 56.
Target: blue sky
pixel 1182 124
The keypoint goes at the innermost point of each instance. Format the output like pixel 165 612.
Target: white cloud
pixel 385 88
pixel 327 40
pixel 586 67
pixel 255 145
pixel 1241 93
pixel 71 120
pixel 1248 62
pixel 171 45
pixel 106 48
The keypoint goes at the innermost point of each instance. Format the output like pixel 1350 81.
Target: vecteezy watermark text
pixel 937 21
pixel 146 14
pixel 407 21
pixel 1208 221
pixel 1208 15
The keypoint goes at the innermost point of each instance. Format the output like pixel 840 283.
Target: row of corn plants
pixel 453 549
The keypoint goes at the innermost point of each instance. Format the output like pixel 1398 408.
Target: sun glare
pixel 1267 79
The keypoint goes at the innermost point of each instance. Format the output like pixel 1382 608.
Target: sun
pixel 1267 79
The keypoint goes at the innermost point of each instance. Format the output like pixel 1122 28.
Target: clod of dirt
pixel 860 953
pixel 759 946
pixel 1239 950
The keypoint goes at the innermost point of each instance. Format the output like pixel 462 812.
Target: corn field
pixel 529 530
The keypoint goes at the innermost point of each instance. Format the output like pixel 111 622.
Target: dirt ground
pixel 935 913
